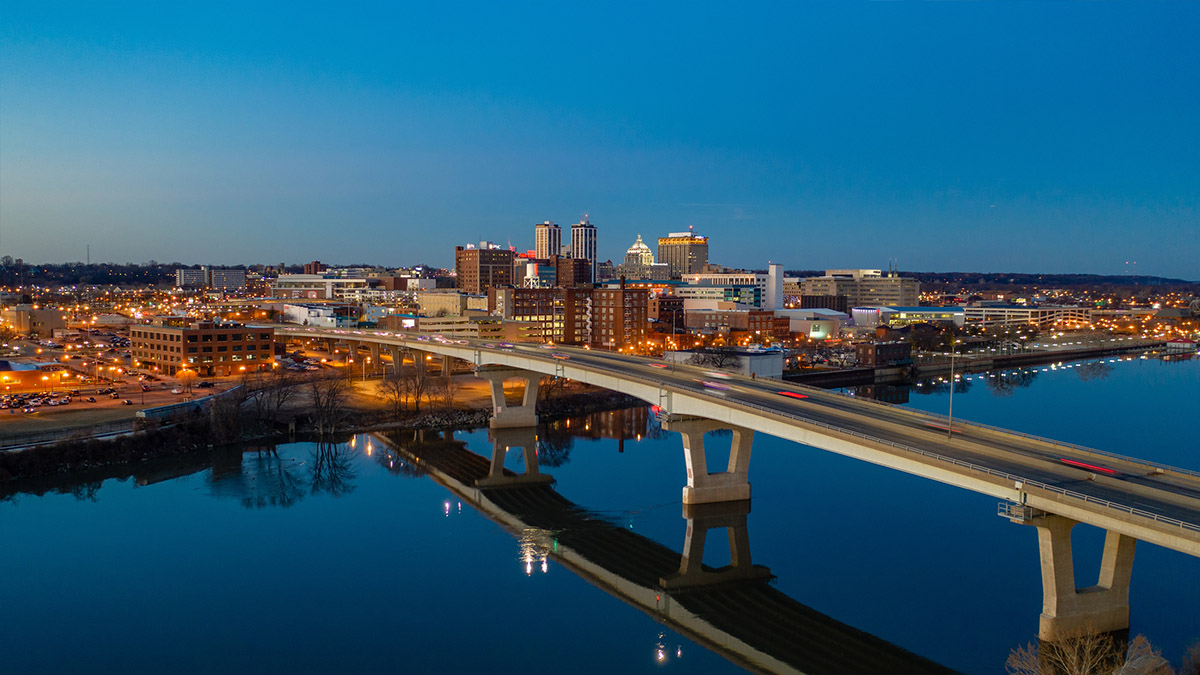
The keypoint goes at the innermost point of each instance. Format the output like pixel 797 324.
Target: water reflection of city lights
pixel 536 546
pixel 661 651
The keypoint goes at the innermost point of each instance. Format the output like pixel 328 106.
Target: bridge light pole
pixel 950 417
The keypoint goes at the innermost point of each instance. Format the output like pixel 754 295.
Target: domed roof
pixel 639 253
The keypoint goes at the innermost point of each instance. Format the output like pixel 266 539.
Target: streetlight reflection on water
pixel 535 547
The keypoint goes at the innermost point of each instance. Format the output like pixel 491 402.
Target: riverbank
pixel 97 459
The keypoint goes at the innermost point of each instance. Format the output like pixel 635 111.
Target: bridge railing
pixel 992 472
pixel 1158 466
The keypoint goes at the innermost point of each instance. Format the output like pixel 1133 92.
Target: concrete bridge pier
pixel 447 366
pixel 376 350
pixel 397 358
pixel 504 415
pixel 513 437
pixel 1067 610
pixel 700 519
pixel 703 487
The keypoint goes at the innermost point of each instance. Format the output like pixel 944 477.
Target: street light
pixel 950 417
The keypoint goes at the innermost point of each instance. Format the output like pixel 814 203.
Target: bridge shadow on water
pixel 732 610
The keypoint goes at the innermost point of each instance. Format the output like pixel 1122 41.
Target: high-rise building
pixel 548 239
pixel 683 252
pixel 478 269
pixel 583 244
pixel 314 267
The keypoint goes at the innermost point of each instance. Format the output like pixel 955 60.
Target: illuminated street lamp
pixel 950 417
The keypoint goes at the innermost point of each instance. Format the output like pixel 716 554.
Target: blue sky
pixel 986 136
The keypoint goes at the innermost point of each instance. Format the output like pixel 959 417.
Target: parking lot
pixel 65 404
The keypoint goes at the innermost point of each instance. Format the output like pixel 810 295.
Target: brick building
pixel 479 269
pixel 209 348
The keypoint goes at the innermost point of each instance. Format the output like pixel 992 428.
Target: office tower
pixel 548 240
pixel 684 252
pixel 583 244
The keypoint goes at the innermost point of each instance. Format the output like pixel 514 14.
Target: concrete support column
pixel 703 487
pixel 375 352
pixel 513 437
pixel 419 363
pixel 397 358
pixel 447 366
pixel 700 519
pixel 504 415
pixel 1067 610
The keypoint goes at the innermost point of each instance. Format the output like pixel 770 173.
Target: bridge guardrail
pixel 1080 448
pixel 1184 525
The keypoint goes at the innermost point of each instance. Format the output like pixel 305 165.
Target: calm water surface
pixel 345 559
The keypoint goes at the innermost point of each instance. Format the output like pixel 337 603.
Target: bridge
pixel 1043 483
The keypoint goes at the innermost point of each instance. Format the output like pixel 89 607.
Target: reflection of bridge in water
pixel 731 610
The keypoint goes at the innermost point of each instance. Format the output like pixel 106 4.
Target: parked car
pixel 205 385
pixel 176 391
pixel 126 402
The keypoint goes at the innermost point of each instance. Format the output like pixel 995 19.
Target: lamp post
pixel 950 417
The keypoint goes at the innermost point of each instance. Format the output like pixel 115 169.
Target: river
pixel 349 558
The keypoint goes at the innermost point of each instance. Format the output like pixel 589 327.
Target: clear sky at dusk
pixel 985 136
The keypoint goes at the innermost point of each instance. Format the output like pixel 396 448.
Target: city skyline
pixel 1049 138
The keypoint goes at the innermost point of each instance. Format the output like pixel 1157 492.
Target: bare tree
pixel 1191 660
pixel 272 392
pixel 187 378
pixel 226 414
pixel 716 357
pixel 549 385
pixel 1086 653
pixel 1094 370
pixel 417 381
pixel 393 388
pixel 329 396
pixel 332 469
pixel 444 389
